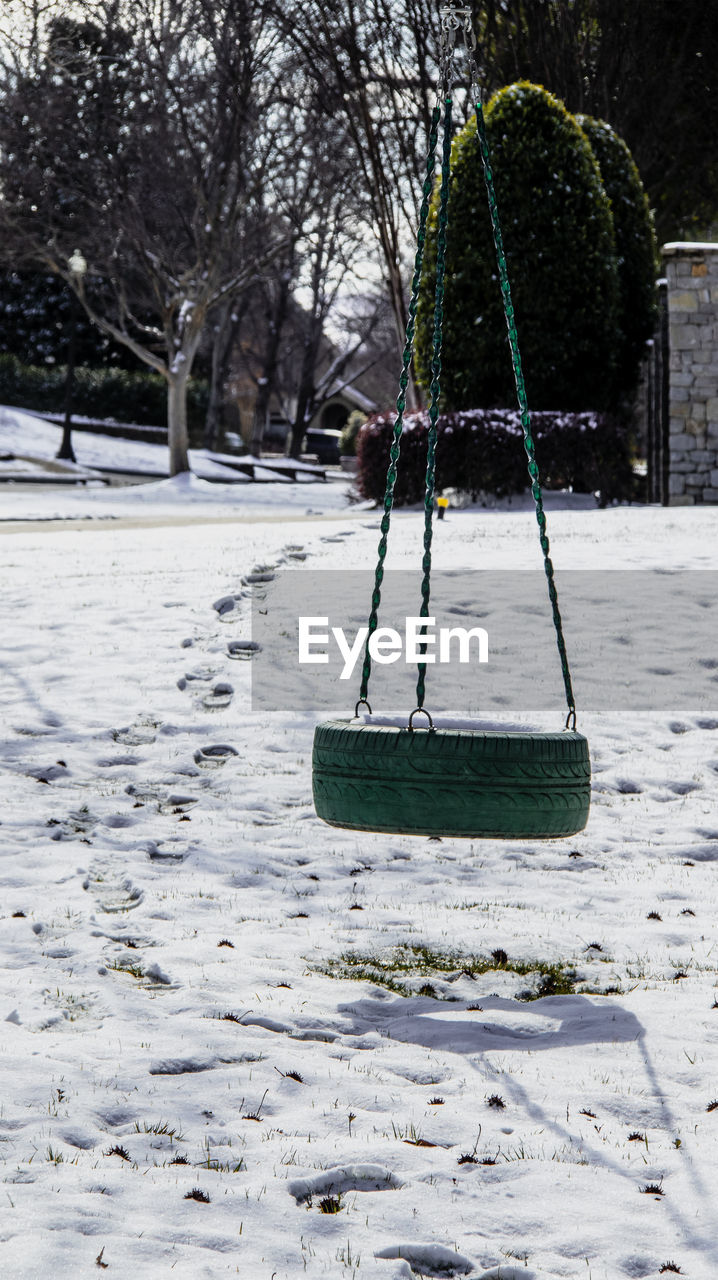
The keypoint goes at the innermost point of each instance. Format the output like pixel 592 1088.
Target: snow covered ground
pixel 237 1042
pixel 30 446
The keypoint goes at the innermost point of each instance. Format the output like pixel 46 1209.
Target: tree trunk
pixel 271 352
pixel 224 339
pixel 305 391
pixel 213 425
pixel 299 427
pixel 177 421
pixel 260 414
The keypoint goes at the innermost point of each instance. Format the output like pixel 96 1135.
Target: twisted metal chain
pixel 523 406
pixel 401 399
pixel 453 21
pixel 435 387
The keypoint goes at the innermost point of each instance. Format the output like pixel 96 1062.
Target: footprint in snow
pixel 191 677
pixel 158 852
pixel 297 555
pixel 627 787
pixel 118 821
pixel 134 735
pixel 220 696
pixel 113 898
pixel 116 1117
pixel 115 762
pixel 48 772
pixel 214 757
pixel 155 976
pixel 243 649
pixel 181 1066
pixel 503 1272
pixel 349 1177
pixel 82 1139
pixel 438 1260
pixel 228 606
pixel 166 803
pixel 144 794
pixel 258 578
pixel 177 803
pixel 77 825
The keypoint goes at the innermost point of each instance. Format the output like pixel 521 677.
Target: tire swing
pixel 468 781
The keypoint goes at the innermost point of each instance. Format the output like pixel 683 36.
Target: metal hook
pixel 359 703
pixel 423 712
pixel 455 20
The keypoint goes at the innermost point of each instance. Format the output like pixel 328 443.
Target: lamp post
pixel 78 269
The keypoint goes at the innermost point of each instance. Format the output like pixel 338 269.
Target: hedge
pixel 637 258
pixel 481 451
pixel 119 394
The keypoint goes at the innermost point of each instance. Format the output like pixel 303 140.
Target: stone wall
pixel 691 271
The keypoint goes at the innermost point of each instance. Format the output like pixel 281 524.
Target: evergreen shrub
pixel 560 250
pixel 636 248
pixel 481 451
pixel 105 394
pixel 348 439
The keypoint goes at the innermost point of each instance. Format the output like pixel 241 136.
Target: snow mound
pixel 504 1272
pixel 347 1177
pixel 449 722
pixel 436 1260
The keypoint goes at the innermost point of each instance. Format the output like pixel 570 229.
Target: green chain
pixel 435 395
pixel 435 387
pixel 401 399
pixel 523 406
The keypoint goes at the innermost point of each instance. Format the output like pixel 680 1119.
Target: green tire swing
pixel 468 781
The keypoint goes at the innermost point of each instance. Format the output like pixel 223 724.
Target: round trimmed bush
pixel 636 250
pixel 560 250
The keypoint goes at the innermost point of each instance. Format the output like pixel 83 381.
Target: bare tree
pixel 374 64
pixel 224 327
pixel 278 294
pixel 319 195
pixel 146 151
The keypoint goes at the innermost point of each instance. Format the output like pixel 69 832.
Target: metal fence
pixel 657 405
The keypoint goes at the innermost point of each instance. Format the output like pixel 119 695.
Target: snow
pixel 35 442
pixel 689 246
pixel 178 933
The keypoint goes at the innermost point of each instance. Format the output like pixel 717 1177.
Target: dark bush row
pixel 121 394
pixel 482 451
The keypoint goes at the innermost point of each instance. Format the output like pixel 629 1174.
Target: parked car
pixel 325 444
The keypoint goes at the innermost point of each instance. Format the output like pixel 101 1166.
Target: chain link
pixel 524 408
pixel 435 388
pixel 455 20
pixel 401 398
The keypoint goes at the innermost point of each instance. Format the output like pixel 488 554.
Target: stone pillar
pixel 691 270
